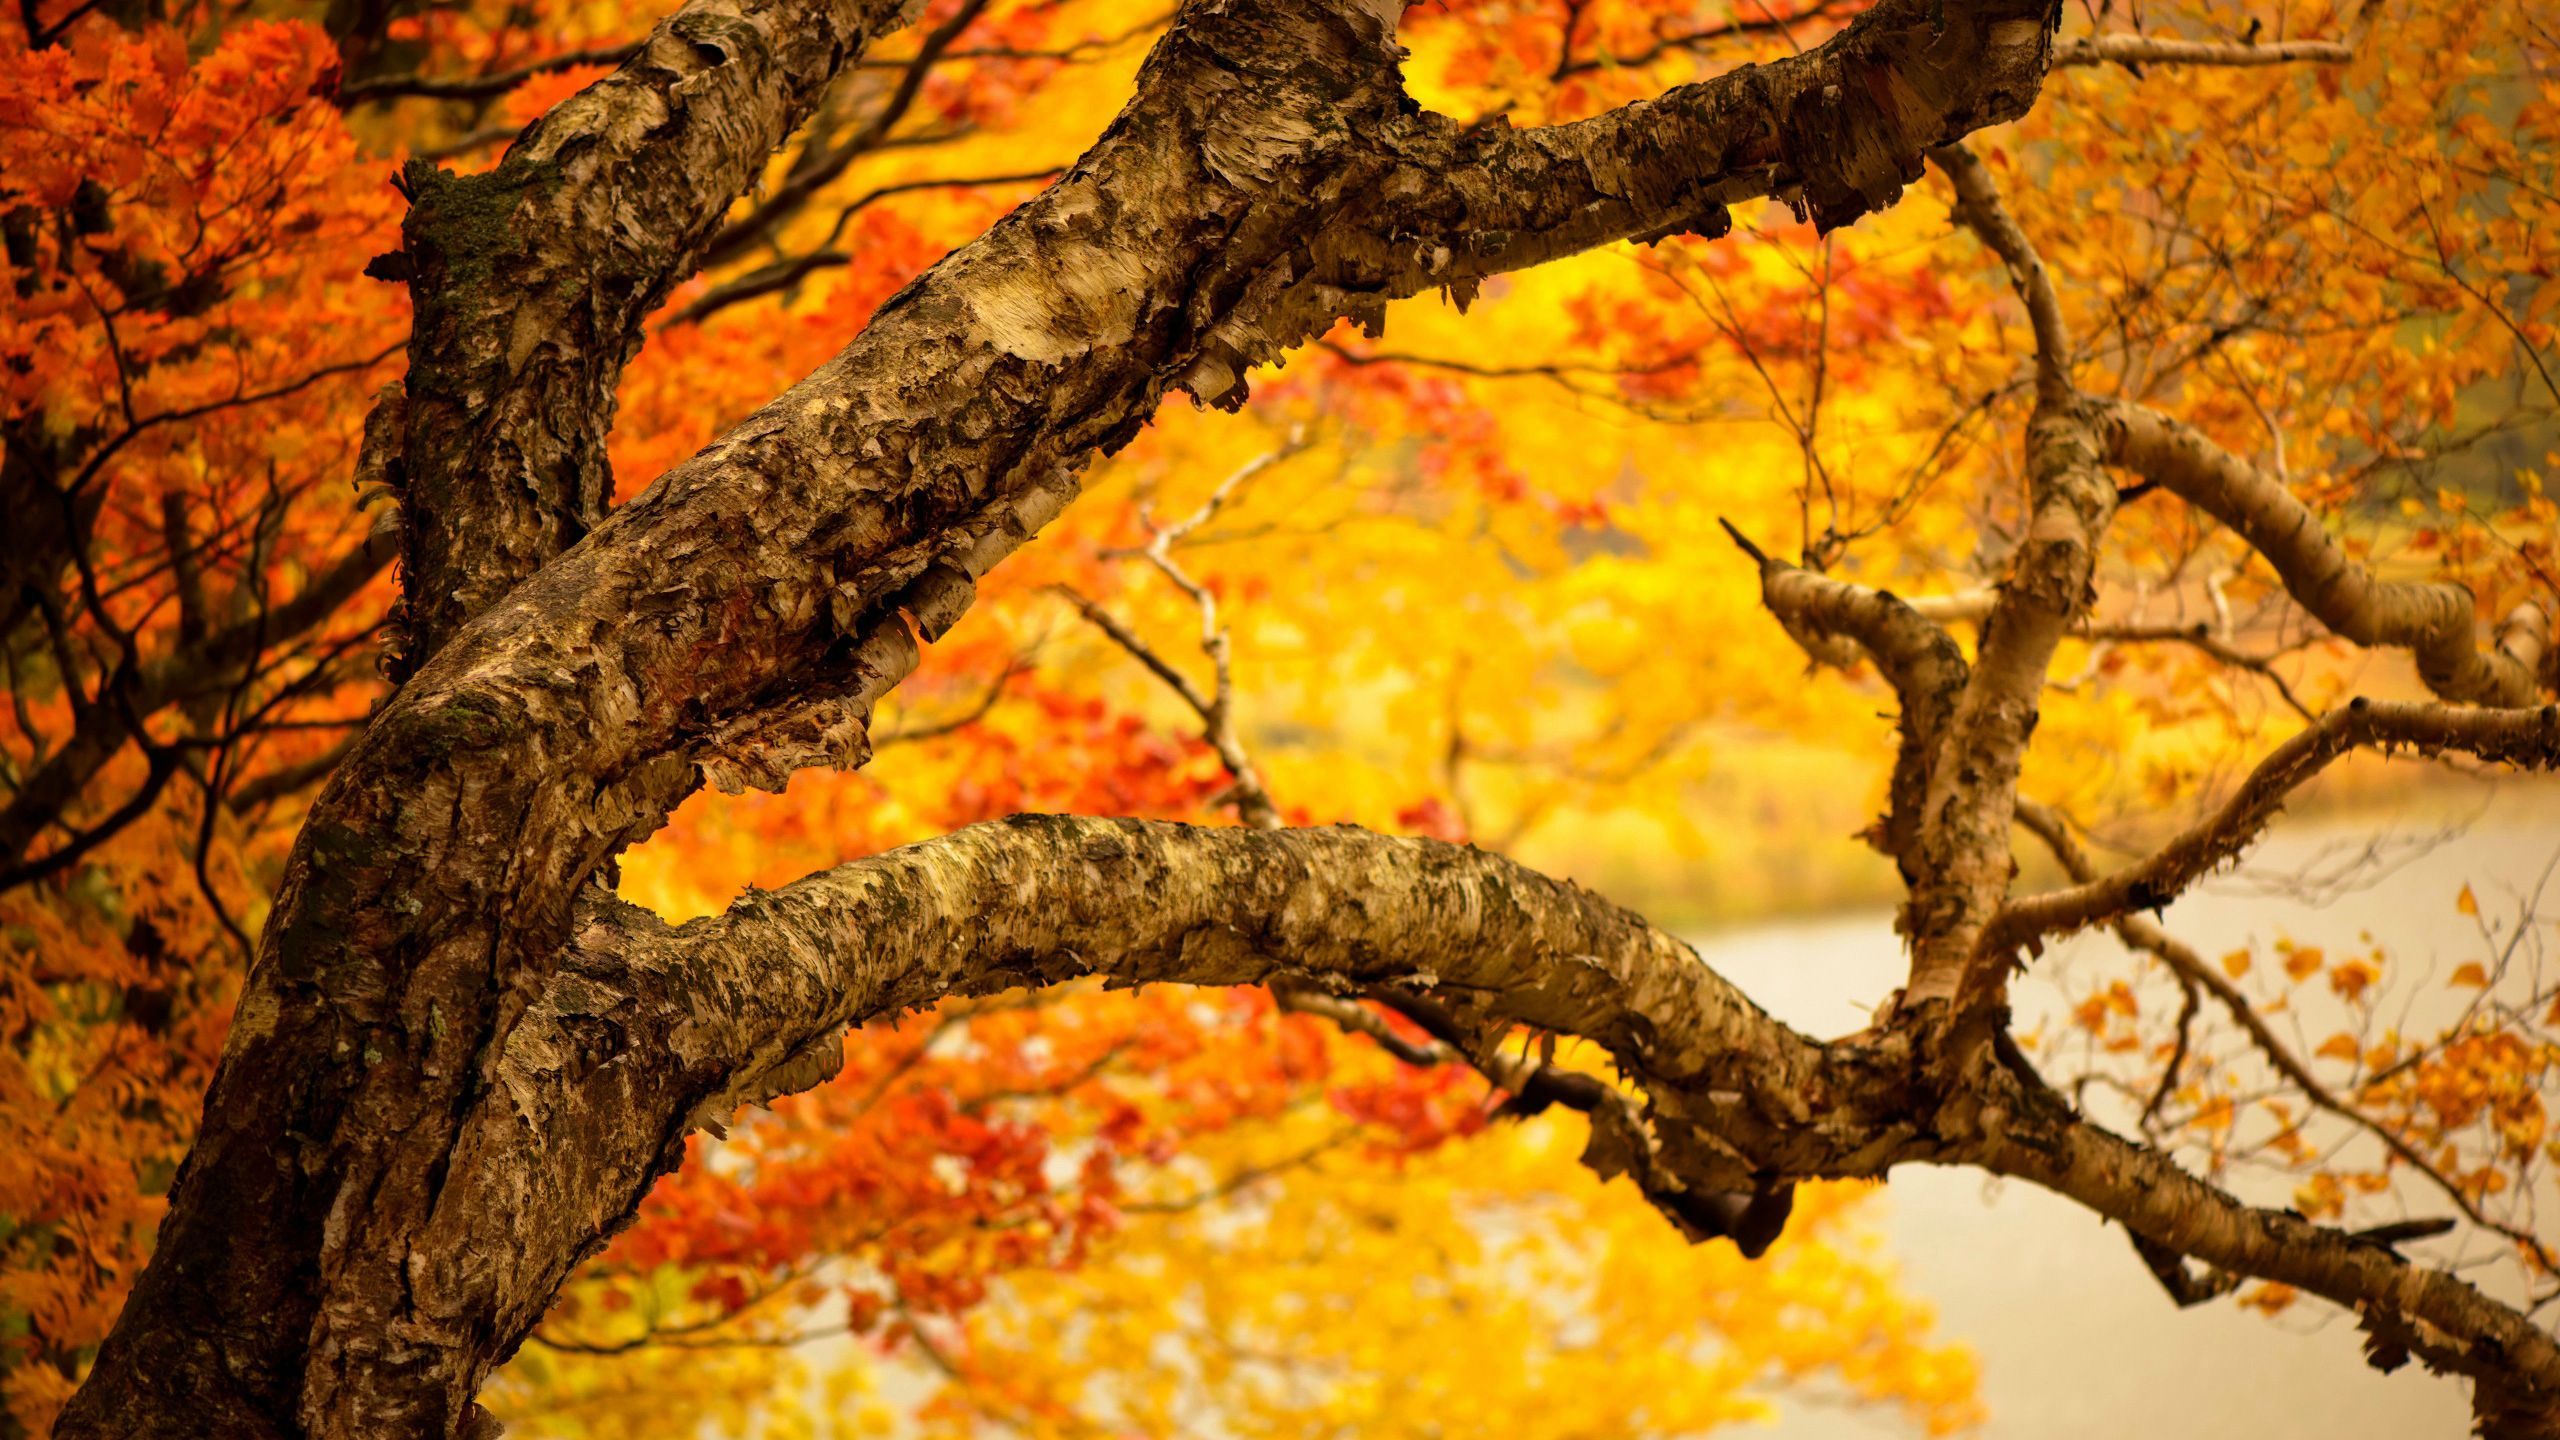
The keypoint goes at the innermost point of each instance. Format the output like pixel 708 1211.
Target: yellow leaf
pixel 2236 964
pixel 2303 963
pixel 2466 902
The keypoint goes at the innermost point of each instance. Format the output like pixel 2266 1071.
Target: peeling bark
pixel 530 284
pixel 735 1009
pixel 1965 865
pixel 1962 854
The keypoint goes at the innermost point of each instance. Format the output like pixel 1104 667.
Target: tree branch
pixel 807 180
pixel 2404 1308
pixel 2437 623
pixel 1962 863
pixel 2524 738
pixel 1978 208
pixel 738 620
pixel 530 283
pixel 1835 622
pixel 2148 50
pixel 476 87
pixel 191 673
pixel 752 1003
pixel 2147 936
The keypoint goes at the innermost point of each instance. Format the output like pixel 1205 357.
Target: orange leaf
pixel 2470 974
pixel 2341 1046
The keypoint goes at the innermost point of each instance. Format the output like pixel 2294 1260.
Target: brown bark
pixel 530 284
pixel 1962 852
pixel 749 1004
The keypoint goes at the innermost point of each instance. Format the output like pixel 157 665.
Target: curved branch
pixel 1978 208
pixel 2437 623
pixel 1835 622
pixel 751 1004
pixel 2524 738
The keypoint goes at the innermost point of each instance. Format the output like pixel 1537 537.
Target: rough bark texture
pixel 1964 859
pixel 530 283
pixel 643 1022
pixel 1962 852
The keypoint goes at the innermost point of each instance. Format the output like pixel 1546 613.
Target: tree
pixel 452 1017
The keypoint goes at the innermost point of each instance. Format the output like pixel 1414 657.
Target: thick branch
pixel 1963 865
pixel 2525 738
pixel 752 1003
pixel 530 283
pixel 643 1033
pixel 2438 624
pixel 1962 860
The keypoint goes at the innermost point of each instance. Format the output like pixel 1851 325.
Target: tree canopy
pixel 961 682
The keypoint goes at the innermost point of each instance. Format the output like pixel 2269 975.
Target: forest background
pixel 1469 572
